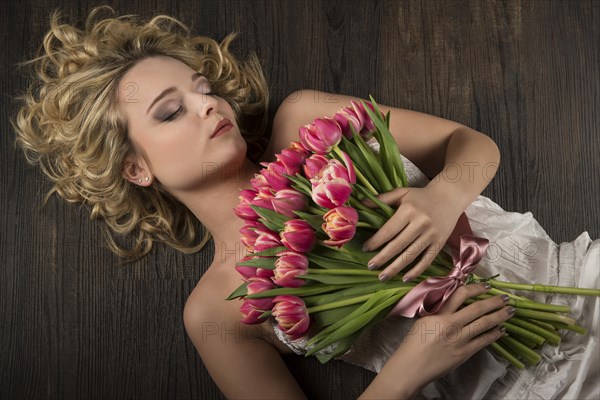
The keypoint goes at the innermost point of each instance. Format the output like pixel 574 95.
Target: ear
pixel 136 171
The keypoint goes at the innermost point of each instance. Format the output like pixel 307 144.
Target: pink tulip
pixel 321 136
pixel 336 170
pixel 259 181
pixel 298 235
pixel 288 266
pixel 259 284
pixel 314 164
pixel 252 308
pixel 251 272
pixel 243 210
pixel 297 146
pixel 366 121
pixel 293 157
pixel 288 200
pixel 266 239
pixel 291 315
pixel 249 234
pixel 340 225
pixel 355 116
pixel 346 117
pixel 331 194
pixel 264 198
pixel 273 174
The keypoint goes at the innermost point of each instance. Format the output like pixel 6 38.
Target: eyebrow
pixel 171 89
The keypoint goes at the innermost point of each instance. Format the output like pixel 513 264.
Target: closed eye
pixel 174 115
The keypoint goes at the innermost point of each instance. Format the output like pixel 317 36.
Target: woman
pixel 150 126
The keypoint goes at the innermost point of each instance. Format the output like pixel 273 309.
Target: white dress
pixel 521 251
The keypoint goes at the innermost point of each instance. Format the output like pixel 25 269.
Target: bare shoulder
pixel 297 109
pixel 207 313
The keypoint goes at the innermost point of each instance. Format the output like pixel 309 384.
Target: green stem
pixel 340 303
pixel 571 327
pixel 551 337
pixel 528 355
pixel 502 352
pixel 545 288
pixel 522 332
pixel 315 210
pixel 365 225
pixel 341 271
pixel 545 316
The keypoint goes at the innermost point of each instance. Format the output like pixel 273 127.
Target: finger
pixel 409 254
pixel 479 308
pixel 396 245
pixel 392 198
pixel 488 321
pixel 461 294
pixel 484 340
pixel 388 231
pixel 427 257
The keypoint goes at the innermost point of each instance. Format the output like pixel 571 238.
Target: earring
pixel 139 181
pixel 147 179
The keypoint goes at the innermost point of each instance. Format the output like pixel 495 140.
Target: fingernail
pixel 406 278
pixel 365 248
pixel 511 311
pixel 372 266
pixel 502 329
pixel 505 298
pixel 487 286
pixel 383 277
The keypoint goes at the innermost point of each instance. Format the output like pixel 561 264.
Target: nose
pixel 206 105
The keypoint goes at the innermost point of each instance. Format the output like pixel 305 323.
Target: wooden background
pixel 75 324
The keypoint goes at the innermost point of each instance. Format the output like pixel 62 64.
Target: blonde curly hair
pixel 69 124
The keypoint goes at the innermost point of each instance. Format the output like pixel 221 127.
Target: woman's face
pixel 171 118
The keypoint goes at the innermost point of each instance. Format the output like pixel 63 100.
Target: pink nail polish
pixel 383 277
pixel 406 278
pixel 372 266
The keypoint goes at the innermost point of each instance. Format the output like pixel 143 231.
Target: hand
pixel 439 343
pixel 424 220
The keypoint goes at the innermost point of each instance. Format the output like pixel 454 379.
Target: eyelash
pixel 178 111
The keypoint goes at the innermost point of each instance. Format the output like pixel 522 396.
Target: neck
pixel 213 205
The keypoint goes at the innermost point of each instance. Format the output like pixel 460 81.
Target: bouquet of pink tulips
pixel 305 226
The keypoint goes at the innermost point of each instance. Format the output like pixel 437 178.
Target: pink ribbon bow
pixel 430 295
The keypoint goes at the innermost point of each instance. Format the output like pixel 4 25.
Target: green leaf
pixel 241 291
pixel 328 317
pixel 332 253
pixel 343 345
pixel 263 262
pixel 315 221
pixel 270 217
pixel 339 279
pixel 373 162
pixel 326 262
pixel 271 252
pixel 306 290
pixel 358 290
pixel 387 142
pixel 353 321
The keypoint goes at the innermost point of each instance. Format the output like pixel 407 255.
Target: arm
pixel 241 363
pixel 456 158
pixel 460 161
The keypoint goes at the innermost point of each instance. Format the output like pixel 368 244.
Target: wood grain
pixel 77 324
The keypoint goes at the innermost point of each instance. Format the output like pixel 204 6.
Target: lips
pixel 222 123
